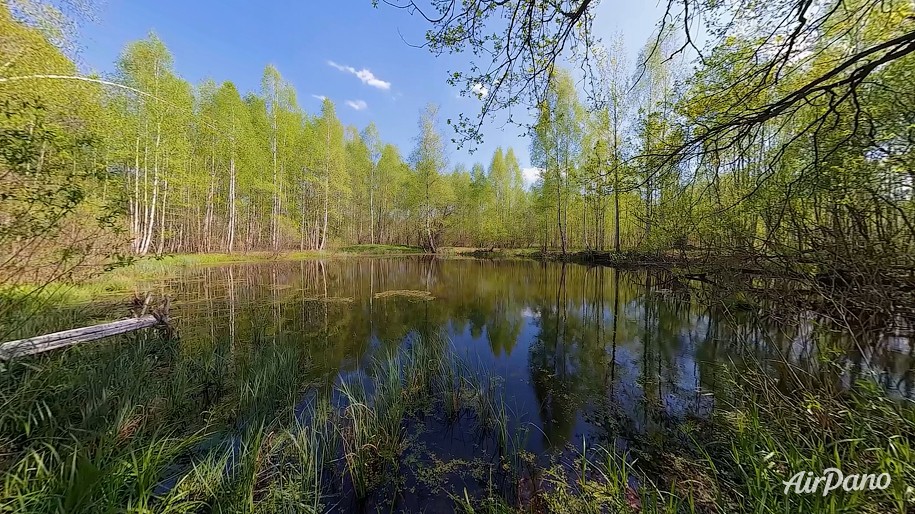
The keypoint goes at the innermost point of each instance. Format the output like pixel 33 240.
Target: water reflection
pixel 570 343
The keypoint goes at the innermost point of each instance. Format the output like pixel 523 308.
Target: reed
pixel 146 425
pixel 763 435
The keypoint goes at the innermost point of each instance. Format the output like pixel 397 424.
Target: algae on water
pixel 406 293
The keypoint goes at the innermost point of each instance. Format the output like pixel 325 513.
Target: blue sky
pixel 323 48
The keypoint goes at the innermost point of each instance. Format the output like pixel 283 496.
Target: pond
pixel 416 383
pixel 583 356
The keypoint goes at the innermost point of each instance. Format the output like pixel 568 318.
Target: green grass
pixel 737 461
pixel 765 435
pixel 100 426
pixel 404 384
pixel 97 427
pixel 370 249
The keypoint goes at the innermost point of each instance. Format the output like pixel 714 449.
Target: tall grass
pixel 373 429
pixel 602 480
pixel 141 422
pixel 762 433
pixel 100 426
pixel 766 434
pixel 145 424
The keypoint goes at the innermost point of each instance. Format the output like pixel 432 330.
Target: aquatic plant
pixel 145 424
pixel 405 293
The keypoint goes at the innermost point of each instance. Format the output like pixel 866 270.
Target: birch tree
pixel 429 161
pixel 556 146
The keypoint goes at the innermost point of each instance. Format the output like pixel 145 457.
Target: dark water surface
pixel 585 356
pixel 559 336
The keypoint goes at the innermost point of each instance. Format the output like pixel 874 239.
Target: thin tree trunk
pixel 151 219
pixel 372 204
pixel 562 233
pixel 208 217
pixel 274 228
pixel 232 211
pixel 162 217
pixel 326 199
pixel 144 223
pixel 136 196
pixel 616 207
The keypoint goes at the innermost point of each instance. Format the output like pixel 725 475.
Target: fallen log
pixel 48 342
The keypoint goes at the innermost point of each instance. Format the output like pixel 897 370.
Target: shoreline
pixel 721 270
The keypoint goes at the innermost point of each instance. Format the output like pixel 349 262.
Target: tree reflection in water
pixel 581 351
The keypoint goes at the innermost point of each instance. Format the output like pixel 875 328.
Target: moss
pixel 406 293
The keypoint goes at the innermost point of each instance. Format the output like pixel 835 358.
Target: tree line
pixel 781 142
pixel 140 162
pixel 208 169
pixel 643 156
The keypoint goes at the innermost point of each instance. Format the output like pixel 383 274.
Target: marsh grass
pixel 405 293
pixel 406 383
pixel 147 424
pixel 766 434
pixel 100 427
pixel 761 434
pixel 78 435
pixel 329 299
pixel 27 314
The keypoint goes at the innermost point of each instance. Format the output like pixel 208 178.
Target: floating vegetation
pixel 328 299
pixel 406 293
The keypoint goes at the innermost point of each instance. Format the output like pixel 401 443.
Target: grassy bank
pixel 134 423
pixel 110 287
pixel 375 249
pixel 104 296
pixel 140 424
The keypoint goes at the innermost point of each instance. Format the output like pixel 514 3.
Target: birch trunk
pixel 151 219
pixel 162 218
pixel 136 196
pixel 372 204
pixel 208 217
pixel 274 222
pixel 232 213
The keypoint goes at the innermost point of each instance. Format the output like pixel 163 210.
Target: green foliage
pixel 556 148
pixel 59 205
pixel 182 169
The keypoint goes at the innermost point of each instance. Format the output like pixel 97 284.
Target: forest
pixel 166 167
pixel 140 162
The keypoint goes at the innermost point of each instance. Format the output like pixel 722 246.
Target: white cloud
pixel 480 90
pixel 366 76
pixel 357 104
pixel 319 97
pixel 530 175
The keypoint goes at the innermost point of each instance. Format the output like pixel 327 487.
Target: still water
pixel 581 352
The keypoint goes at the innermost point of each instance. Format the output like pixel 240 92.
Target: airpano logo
pixel 832 479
